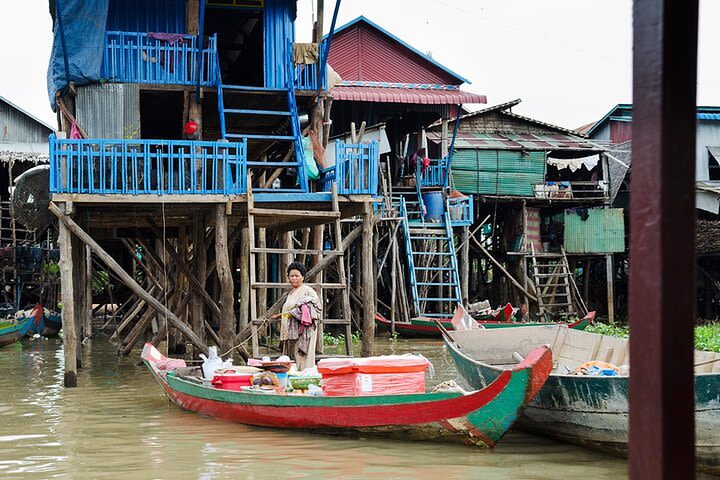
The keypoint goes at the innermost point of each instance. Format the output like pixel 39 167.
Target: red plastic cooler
pixel 383 375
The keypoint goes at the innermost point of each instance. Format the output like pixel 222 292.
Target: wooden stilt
pixel 87 310
pixel 368 286
pixel 124 276
pixel 68 312
pixel 610 287
pixel 200 263
pixel 262 271
pixel 245 277
pixel 227 330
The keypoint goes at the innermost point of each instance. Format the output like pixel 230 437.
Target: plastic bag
pixel 311 168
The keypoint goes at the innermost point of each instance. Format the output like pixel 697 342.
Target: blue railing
pixel 133 167
pixel 136 57
pixel 307 76
pixel 460 211
pixel 356 169
pixel 436 174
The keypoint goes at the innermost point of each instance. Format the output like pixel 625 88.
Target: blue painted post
pixel 452 147
pixel 323 63
pixel 201 62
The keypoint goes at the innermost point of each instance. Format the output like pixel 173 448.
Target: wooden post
pixel 262 272
pixel 227 318
pixel 465 264
pixel 70 343
pixel 123 276
pixel 317 244
pixel 368 284
pixel 662 238
pixel 610 288
pixel 444 146
pixel 200 264
pixel 244 278
pixel 79 296
pixel 318 27
pixel 88 308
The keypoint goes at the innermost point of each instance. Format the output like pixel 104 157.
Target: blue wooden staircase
pixel 265 117
pixel 432 263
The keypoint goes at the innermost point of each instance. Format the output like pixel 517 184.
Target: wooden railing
pixel 136 57
pixel 307 76
pixel 571 190
pixel 134 167
pixel 435 175
pixel 355 171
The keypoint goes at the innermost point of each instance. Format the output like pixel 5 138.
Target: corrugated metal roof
pixel 375 52
pixel 406 95
pixel 517 141
pixel 708 116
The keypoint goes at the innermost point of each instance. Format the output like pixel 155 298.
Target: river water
pixel 119 424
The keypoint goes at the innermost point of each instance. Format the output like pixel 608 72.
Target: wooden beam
pixel 503 270
pixel 368 286
pixel 224 272
pixel 70 343
pixel 662 236
pixel 125 277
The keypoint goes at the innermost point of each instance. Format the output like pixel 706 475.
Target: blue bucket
pixel 434 206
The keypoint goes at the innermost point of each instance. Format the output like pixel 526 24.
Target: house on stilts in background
pixel 183 167
pixel 390 91
pixel 614 132
pixel 541 212
pixel 24 248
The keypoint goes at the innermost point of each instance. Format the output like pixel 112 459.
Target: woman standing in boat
pixel 298 321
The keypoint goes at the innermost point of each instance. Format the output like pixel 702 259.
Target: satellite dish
pixel 31 198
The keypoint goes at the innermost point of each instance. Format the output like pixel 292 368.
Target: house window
pixel 714 163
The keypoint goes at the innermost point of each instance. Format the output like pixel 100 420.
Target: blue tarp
pixel 83 23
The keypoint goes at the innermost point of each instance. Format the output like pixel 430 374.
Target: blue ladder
pixel 241 92
pixel 424 263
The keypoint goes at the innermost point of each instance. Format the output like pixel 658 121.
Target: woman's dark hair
pixel 297 266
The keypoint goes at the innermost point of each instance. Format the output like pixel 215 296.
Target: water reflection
pixel 118 424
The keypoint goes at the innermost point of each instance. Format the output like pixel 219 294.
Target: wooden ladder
pixel 553 278
pixel 290 218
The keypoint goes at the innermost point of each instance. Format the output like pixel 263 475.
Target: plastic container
pixel 383 375
pixel 434 206
pixel 302 382
pixel 231 380
pixel 282 378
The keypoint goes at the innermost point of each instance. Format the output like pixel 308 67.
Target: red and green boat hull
pixel 480 418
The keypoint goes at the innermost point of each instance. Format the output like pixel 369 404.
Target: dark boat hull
pixel 594 411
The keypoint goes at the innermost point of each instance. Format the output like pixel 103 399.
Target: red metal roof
pixel 406 95
pixel 363 52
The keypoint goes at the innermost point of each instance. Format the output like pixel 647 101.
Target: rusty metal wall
pixel 110 110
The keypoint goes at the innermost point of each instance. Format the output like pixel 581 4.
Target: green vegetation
pixel 330 339
pixel 707 337
pixel 615 330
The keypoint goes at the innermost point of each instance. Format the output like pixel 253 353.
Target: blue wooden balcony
pixel 461 211
pixel 141 167
pixel 135 57
pixel 355 171
pixel 311 76
pixel 436 174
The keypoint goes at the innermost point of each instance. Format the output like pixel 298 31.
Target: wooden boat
pixel 586 410
pixel 11 332
pixel 479 418
pixel 426 327
pixel 47 324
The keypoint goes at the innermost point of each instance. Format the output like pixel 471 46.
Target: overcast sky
pixel 569 60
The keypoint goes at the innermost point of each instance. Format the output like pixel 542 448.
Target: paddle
pixel 443 330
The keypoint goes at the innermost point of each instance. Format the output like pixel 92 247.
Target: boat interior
pixel 502 348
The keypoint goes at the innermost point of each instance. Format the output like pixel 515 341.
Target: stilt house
pixel 182 158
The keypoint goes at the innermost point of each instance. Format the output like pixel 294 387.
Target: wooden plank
pixel 259 285
pixel 294 251
pixel 368 286
pixel 292 214
pixel 125 277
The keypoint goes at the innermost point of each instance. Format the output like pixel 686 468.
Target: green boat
pixel 11 332
pixel 591 411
